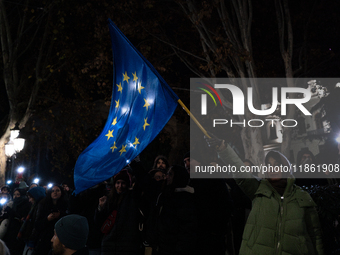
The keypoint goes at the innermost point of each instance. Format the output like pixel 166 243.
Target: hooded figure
pixel 283 219
pixel 27 231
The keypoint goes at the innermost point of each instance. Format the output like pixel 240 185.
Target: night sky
pixel 72 104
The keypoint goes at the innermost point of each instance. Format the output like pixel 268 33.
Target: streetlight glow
pixel 9 149
pixel 14 133
pixel 14 144
pixel 19 144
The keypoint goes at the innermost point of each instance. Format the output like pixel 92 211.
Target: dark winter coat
pixel 177 222
pixel 19 210
pixel 27 231
pixel 124 238
pixel 84 251
pixel 44 227
pixel 287 224
pixel 214 207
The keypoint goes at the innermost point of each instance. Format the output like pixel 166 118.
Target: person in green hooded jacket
pixel 283 219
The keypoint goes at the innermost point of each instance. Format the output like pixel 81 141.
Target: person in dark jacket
pixel 70 236
pixel 16 215
pixel 50 210
pixel 118 216
pixel 215 207
pixel 177 215
pixel 27 232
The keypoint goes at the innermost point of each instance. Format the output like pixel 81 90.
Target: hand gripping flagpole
pixel 193 118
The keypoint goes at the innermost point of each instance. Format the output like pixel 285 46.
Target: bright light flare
pixel 3 201
pixel 9 182
pixel 338 139
pixel 36 180
pixel 21 170
pixel 50 185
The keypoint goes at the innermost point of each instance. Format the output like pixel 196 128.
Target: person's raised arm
pixel 247 182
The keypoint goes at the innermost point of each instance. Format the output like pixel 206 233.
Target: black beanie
pixel 123 175
pixel 72 231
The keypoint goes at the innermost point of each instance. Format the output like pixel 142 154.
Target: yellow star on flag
pixel 117 103
pixel 146 104
pixel 135 78
pixel 109 134
pixel 113 147
pixel 126 77
pixel 122 150
pixel 145 123
pixel 114 122
pixel 136 142
pixel 120 88
pixel 140 87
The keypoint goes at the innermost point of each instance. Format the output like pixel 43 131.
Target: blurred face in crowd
pixel 56 193
pixel 161 164
pixel 274 175
pixel 31 199
pixel 187 164
pixel 5 191
pixel 169 177
pixel 66 187
pixel 120 186
pixel 16 194
pixel 306 159
pixel 57 247
pixel 159 176
pixel 246 163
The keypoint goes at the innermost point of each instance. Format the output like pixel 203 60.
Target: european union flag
pixel 142 103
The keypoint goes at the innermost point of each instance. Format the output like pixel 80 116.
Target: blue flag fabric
pixel 142 103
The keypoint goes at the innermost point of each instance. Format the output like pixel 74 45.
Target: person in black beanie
pixel 70 236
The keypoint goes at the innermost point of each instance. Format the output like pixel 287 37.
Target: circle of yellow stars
pixel 114 122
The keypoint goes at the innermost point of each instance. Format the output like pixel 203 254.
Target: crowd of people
pixel 162 211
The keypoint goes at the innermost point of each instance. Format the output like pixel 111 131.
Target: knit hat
pixel 123 175
pixel 72 231
pixel 37 193
pixel 23 185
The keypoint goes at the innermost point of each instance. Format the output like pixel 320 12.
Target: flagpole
pixel 193 118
